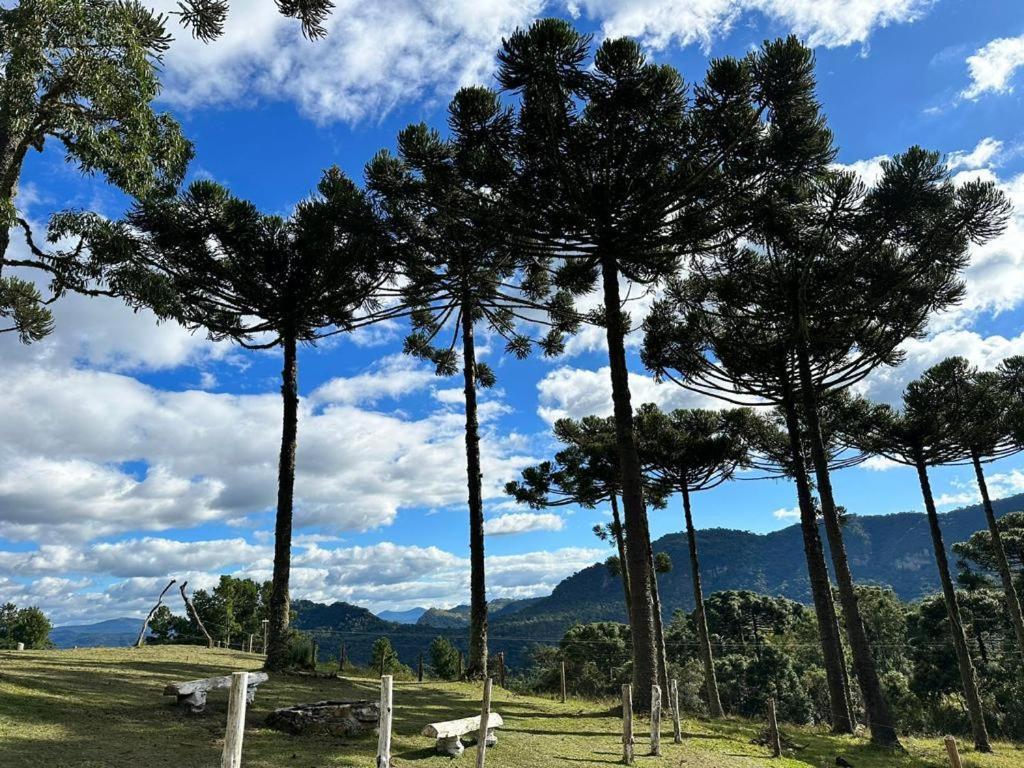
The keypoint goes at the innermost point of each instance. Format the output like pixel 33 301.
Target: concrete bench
pixel 192 694
pixel 449 732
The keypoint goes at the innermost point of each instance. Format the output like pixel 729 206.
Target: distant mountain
pixel 109 633
pixel 402 617
pixel 458 616
pixel 893 550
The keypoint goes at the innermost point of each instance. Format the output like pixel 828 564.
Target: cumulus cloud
pixel 993 66
pixel 73 441
pixel 787 513
pixel 568 392
pixel 73 584
pixel 377 56
pixel 829 23
pixel 374 57
pixel 523 522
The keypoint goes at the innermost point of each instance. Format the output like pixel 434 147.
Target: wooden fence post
pixel 266 623
pixel 460 666
pixel 232 755
pixel 562 672
pixel 627 724
pixel 953 752
pixel 384 725
pixel 341 659
pixel 419 671
pixel 677 728
pixel 251 637
pixel 656 720
pixel 501 668
pixel 485 713
pixel 314 654
pixel 774 740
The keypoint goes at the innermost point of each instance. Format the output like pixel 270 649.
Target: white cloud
pixel 375 56
pixel 982 156
pixel 575 392
pixel 829 23
pixel 787 513
pixel 986 352
pixel 523 522
pixel 382 575
pixel 70 435
pixel 388 378
pixel 993 66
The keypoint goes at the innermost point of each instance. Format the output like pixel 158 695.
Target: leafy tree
pixel 690 451
pixel 235 608
pixel 444 658
pixel 213 261
pixel 978 409
pixel 83 73
pixel 383 659
pixel 620 176
pixel 166 627
pixel 920 437
pixel 460 270
pixel 24 625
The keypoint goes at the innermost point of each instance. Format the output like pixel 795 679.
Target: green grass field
pixel 102 708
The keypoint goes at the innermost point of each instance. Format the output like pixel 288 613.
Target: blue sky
pixel 135 452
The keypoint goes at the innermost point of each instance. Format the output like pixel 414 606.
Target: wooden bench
pixel 449 733
pixel 192 694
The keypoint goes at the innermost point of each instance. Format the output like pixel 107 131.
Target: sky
pixel 132 452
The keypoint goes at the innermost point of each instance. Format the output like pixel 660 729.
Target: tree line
pixel 781 279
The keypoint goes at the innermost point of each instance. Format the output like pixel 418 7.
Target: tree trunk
pixel 620 544
pixel 659 629
pixel 280 603
pixel 703 636
pixel 1005 575
pixel 477 667
pixel 821 587
pixel 879 716
pixel 641 613
pixel 956 627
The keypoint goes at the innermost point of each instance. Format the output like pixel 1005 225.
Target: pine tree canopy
pixel 444 202
pixel 843 272
pixel 211 260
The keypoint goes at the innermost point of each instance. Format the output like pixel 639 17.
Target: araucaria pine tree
pixel 443 203
pixel 212 261
pixel 835 278
pixel 621 173
pixel 691 451
pixel 922 436
pixel 82 73
pixel 980 409
pixel 586 472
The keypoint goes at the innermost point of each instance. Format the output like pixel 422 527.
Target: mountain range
pixel 893 550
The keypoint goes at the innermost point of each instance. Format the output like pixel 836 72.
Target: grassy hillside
pixel 102 708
